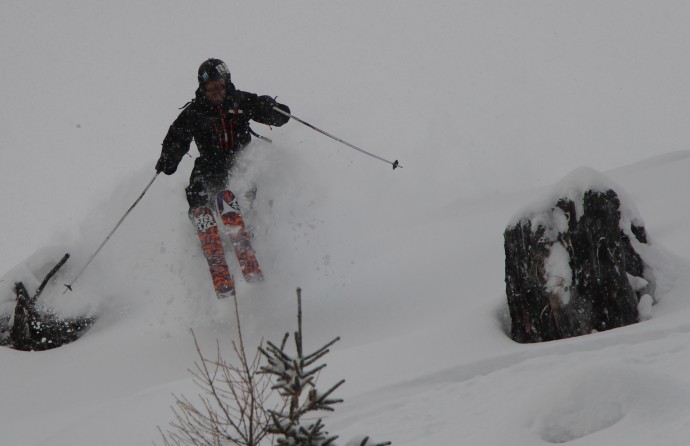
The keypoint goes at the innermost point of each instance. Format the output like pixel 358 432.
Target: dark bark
pixel 37 329
pixel 601 256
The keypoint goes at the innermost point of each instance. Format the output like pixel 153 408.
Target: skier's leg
pixel 201 215
pixel 204 183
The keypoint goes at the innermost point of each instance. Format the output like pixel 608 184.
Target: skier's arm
pixel 261 111
pixel 175 145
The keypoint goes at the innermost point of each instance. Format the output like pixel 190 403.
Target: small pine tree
pixel 296 382
pixel 236 409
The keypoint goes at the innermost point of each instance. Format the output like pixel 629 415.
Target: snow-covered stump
pixel 34 328
pixel 571 266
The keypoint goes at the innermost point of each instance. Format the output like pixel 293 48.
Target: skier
pixel 217 119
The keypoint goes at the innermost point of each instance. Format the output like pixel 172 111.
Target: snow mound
pixel 607 396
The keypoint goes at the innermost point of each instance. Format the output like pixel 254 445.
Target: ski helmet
pixel 212 70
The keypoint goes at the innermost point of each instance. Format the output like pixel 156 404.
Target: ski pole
pixel 395 163
pixel 69 286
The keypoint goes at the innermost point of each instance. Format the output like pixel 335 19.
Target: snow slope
pixel 486 104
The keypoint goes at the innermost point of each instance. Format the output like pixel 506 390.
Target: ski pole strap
pixel 395 163
pixel 263 138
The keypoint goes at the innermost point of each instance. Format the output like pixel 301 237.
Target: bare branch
pixel 235 406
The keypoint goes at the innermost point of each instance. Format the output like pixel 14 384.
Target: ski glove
pixel 166 165
pixel 265 114
pixel 280 118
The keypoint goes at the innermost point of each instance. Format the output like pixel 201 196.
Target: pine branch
pixel 365 442
pixel 310 359
pixel 321 402
pixel 236 412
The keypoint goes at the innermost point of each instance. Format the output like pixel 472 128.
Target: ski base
pixel 233 226
pixel 212 247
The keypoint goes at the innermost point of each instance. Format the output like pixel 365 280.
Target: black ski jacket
pixel 220 132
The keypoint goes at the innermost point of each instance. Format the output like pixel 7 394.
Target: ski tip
pixel 254 277
pixel 225 294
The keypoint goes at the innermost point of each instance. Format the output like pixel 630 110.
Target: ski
pixel 233 225
pixel 212 246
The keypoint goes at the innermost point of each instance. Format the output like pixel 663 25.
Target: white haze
pixel 486 104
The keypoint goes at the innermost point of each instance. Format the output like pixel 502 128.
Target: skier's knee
pixel 196 197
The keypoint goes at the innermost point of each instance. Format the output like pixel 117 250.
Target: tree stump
pixel 574 270
pixel 33 328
